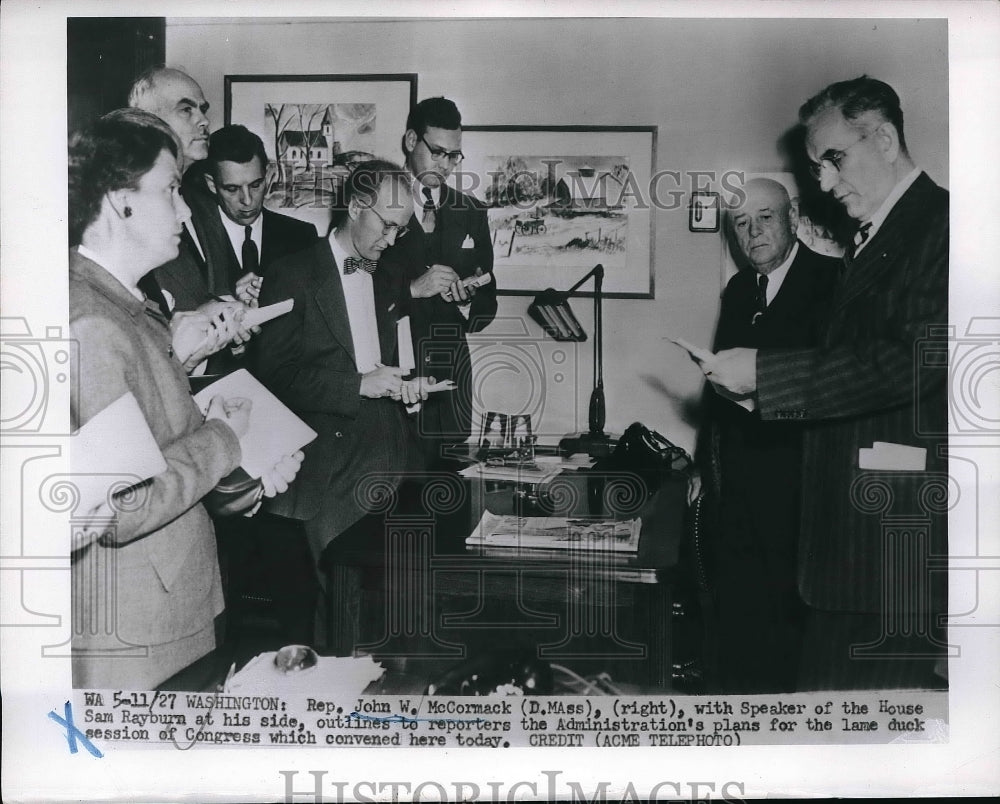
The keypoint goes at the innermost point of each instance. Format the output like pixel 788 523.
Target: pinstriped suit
pixel 865 384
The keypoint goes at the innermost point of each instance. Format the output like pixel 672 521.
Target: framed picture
pixel 562 199
pixel 814 234
pixel 704 212
pixel 314 127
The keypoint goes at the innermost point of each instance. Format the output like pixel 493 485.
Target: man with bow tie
pixel 874 526
pixel 333 358
pixel 449 242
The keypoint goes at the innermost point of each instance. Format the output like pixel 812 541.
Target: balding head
pixel 765 224
pixel 176 98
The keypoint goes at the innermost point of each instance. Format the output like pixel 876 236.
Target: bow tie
pixel 352 264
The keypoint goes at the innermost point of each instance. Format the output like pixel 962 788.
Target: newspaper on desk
pixel 554 532
pixel 349 675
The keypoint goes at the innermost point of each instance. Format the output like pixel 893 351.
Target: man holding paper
pixel 447 263
pixel 332 359
pixel 240 234
pixel 876 601
pixel 753 465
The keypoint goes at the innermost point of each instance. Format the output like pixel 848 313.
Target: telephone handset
pixel 644 450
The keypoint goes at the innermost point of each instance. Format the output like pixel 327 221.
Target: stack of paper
pixel 519 474
pixel 552 532
pixel 347 676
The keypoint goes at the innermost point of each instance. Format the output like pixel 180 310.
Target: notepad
pixel 255 316
pixel 274 430
pixel 114 449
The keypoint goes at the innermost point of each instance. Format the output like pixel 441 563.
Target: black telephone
pixel 645 451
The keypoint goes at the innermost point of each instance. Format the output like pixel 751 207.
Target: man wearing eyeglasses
pixel 449 241
pixel 873 476
pixel 332 359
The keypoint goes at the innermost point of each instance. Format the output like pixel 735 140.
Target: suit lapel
pixel 330 299
pixel 879 254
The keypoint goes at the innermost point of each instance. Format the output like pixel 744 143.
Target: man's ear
pixel 410 140
pixel 210 184
pixel 793 217
pixel 119 201
pixel 354 209
pixel 888 140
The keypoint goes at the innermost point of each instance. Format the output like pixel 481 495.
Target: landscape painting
pixel 315 127
pixel 561 200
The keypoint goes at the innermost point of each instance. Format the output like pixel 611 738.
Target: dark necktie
pixel 861 236
pixel 251 259
pixel 429 219
pixel 352 264
pixel 761 297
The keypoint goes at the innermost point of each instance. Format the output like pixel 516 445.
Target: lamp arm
pixel 597 412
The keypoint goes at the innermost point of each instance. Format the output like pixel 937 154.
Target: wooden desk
pixel 405 587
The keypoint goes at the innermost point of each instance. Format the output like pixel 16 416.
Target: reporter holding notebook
pixel 146 589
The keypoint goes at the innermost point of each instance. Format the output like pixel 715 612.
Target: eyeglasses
pixel 437 154
pixel 388 227
pixel 833 159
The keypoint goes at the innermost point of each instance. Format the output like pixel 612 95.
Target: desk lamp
pixel 551 310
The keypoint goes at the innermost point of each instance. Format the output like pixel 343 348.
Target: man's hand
pixel 193 337
pixel 234 411
pixel 248 288
pixel 735 370
pixel 438 279
pixel 415 390
pixel 227 316
pixel 382 381
pixel 277 479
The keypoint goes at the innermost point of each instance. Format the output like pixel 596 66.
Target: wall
pixel 721 91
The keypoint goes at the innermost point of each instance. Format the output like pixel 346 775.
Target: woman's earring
pixel 127 212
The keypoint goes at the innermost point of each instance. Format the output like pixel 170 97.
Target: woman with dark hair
pixel 147 588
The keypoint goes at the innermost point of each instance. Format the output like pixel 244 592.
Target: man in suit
pixel 869 536
pixel 241 240
pixel 449 242
pixel 332 358
pixel 777 301
pixel 191 281
pixel 241 236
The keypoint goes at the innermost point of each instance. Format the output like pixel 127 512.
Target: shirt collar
pixel 112 269
pixel 419 199
pixel 777 276
pixel 238 230
pixel 340 255
pixel 93 269
pixel 883 211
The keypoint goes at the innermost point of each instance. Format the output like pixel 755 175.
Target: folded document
pixel 884 455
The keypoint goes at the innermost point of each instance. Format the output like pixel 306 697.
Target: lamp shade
pixel 551 311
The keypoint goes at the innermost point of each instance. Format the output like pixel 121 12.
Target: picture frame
pixel 704 212
pixel 562 199
pixel 315 126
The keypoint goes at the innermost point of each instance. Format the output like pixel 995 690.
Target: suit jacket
pixel 280 236
pixel 437 326
pixel 164 576
pixel 751 456
pixel 867 382
pixel 306 358
pixel 191 278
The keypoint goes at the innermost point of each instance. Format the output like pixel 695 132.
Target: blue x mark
pixel 73 733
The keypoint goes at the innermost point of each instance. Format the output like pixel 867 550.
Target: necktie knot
pixel 863 233
pixel 352 264
pixel 428 199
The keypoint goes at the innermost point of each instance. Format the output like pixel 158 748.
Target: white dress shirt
pixel 419 198
pixel 359 294
pixel 777 276
pixel 237 234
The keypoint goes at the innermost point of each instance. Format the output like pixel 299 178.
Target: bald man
pixel 777 300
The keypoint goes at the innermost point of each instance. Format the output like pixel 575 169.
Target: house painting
pixel 587 188
pixel 314 148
